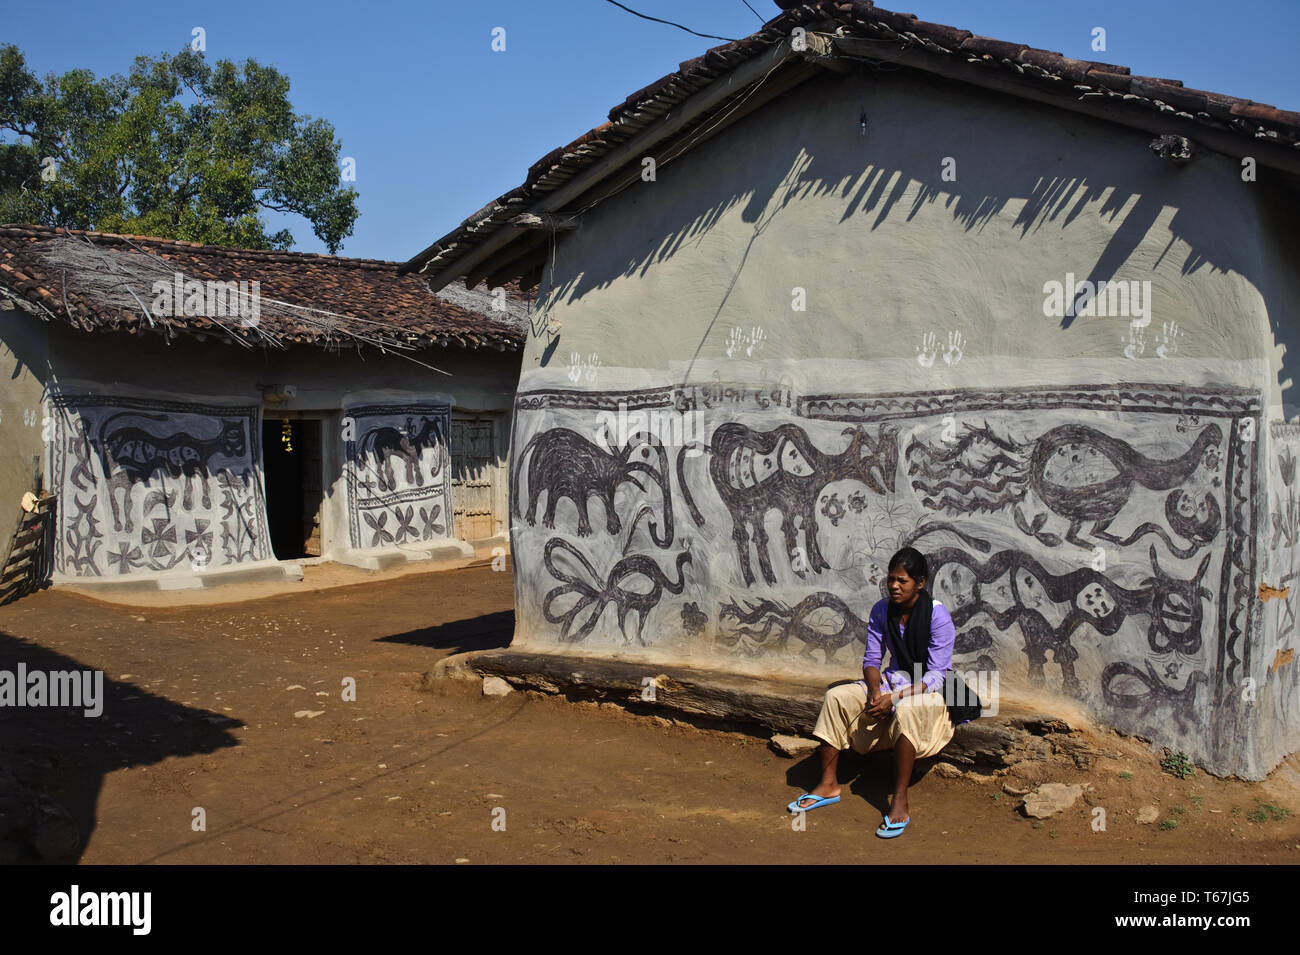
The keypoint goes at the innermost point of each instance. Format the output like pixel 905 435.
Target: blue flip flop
pixel 821 801
pixel 892 830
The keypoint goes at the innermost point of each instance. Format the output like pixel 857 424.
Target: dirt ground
pixel 237 710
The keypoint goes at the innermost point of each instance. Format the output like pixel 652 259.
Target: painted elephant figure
pixel 565 464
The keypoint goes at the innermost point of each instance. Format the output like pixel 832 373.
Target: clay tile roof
pixel 950 37
pixel 98 281
pixel 988 46
pixel 1108 67
pixel 1104 86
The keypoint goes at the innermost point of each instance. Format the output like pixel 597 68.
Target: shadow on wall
pixel 811 154
pixel 1280 216
pixel 24 336
pixel 53 760
pixel 24 346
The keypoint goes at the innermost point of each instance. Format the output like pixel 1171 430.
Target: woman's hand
pixel 881 705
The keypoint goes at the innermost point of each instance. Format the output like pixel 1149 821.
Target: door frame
pixel 497 463
pixel 328 451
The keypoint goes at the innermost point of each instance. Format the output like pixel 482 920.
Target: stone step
pixel 765 704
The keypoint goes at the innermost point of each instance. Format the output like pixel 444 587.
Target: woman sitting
pixel 891 709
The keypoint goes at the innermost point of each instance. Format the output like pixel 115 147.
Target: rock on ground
pixel 793 746
pixel 455 667
pixel 1148 815
pixel 1051 798
pixel 495 686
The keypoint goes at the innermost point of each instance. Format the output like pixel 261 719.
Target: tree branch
pixel 20 130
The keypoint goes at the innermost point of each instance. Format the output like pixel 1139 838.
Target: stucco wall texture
pixel 23 354
pixel 209 387
pixel 846 351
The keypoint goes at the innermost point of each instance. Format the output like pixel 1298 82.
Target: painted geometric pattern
pixel 151 485
pixel 397 462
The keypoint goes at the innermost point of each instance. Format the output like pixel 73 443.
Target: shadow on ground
pixel 869 777
pixel 53 760
pixel 486 632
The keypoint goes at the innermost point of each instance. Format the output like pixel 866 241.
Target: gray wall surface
pixel 845 352
pixel 23 354
pixel 184 424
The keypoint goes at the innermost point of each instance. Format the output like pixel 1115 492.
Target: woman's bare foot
pixel 898 810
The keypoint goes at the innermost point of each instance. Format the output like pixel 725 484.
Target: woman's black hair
pixel 912 561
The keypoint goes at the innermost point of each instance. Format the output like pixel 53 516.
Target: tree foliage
pixel 179 148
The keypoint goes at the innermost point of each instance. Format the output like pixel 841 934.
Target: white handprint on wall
pixel 1167 340
pixel 928 349
pixel 734 341
pixel 580 367
pixel 1136 343
pixel 952 354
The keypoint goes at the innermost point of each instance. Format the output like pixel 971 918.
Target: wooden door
pixel 473 467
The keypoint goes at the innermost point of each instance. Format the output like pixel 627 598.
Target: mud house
pixel 205 414
pixel 1031 314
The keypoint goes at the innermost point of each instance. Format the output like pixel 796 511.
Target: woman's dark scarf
pixel 915 645
pixel 913 652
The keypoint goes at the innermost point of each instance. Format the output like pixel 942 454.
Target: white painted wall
pixel 478 381
pixel 663 278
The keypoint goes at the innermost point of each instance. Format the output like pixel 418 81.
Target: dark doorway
pixel 291 452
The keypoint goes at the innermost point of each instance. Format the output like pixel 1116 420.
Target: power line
pixel 753 11
pixel 683 147
pixel 707 36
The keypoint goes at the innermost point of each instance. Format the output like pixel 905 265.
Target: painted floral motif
pixel 833 508
pixel 431 526
pixel 159 536
pixel 128 557
pixel 380 536
pixel 405 526
pixel 199 540
pixel 694 620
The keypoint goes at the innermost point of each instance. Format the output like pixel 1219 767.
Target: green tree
pixel 178 149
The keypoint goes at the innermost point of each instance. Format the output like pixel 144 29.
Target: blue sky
pixel 439 124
